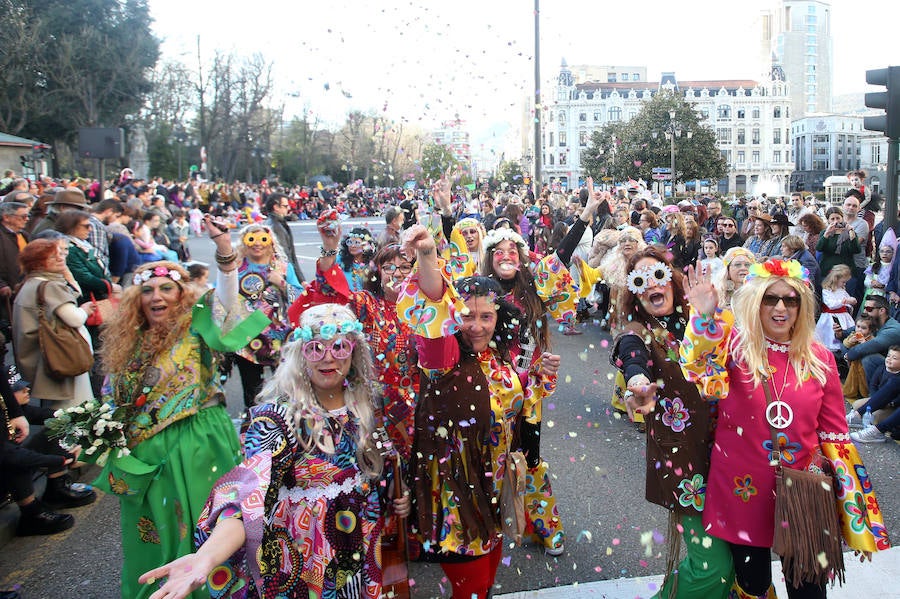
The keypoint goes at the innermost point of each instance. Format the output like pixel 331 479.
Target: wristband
pixel 327 253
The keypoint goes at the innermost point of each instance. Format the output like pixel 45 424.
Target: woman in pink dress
pixel 771 330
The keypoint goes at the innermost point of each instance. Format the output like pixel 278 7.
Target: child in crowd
pixel 837 306
pixel 709 256
pixel 885 387
pixel 199 276
pixel 196 221
pixel 855 386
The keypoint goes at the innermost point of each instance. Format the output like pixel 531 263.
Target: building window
pixel 704 115
pixel 741 157
pixel 724 111
pixel 562 159
pixel 777 112
pixel 741 137
pixel 615 114
pixel 776 136
pixel 636 77
pixel 876 154
pixel 551 138
pixel 740 113
pixel 755 156
pixel 755 139
pixel 551 159
pixel 726 154
pixel 562 138
pixel 755 113
pixel 582 138
pixel 610 77
pixel 723 135
pixel 776 156
pixel 597 116
pixel 582 117
pixel 562 117
pixel 624 76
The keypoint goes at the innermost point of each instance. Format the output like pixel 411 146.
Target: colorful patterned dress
pixel 456 506
pixel 559 294
pixel 181 441
pixel 312 520
pixel 256 294
pixel 740 496
pixel 392 354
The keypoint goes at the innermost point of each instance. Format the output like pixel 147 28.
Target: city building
pixel 797 35
pixel 454 135
pixel 751 120
pixel 832 144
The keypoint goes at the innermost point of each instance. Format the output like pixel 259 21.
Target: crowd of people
pixel 398 379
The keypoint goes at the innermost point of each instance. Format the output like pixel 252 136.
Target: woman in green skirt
pixel 160 354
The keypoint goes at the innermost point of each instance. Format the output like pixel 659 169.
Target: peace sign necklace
pixel 779 413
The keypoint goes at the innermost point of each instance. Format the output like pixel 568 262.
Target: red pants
pixel 474 578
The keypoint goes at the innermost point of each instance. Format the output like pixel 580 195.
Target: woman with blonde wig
pixel 268 283
pixel 768 339
pixel 736 262
pixel 302 515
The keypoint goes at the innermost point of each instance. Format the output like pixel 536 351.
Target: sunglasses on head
pixel 340 349
pixel 790 301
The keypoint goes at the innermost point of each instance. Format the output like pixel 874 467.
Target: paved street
pixel 596 459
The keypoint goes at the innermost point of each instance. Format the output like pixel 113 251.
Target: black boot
pixel 38 519
pixel 61 495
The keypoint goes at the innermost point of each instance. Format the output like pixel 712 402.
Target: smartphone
pixel 840 225
pixel 835 320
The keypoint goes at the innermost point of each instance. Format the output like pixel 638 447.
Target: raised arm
pixel 418 240
pixel 704 349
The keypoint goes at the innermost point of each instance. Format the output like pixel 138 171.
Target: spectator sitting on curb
pixel 872 352
pixel 885 388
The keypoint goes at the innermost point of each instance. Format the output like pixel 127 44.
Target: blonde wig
pixel 722 281
pixel 241 250
pixel 478 255
pixel 129 331
pixel 749 345
pixel 291 386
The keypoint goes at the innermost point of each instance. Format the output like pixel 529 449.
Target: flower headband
pixel 159 271
pixel 779 268
pixel 468 222
pixel 733 253
pixel 497 235
pixel 326 331
pixel 639 279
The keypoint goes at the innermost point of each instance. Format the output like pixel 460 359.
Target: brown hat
pixel 782 219
pixel 763 216
pixel 70 197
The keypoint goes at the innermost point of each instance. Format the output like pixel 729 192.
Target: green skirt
pixel 162 488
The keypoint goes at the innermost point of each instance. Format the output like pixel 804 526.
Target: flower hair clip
pixel 779 268
pixel 326 331
pixel 639 279
pixel 159 271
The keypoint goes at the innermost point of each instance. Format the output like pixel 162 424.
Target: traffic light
pixel 889 100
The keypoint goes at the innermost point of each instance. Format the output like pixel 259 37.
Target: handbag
pixel 66 353
pixel 512 494
pixel 103 309
pixel 807 528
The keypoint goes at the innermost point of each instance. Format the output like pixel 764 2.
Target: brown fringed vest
pixel 679 430
pixel 463 453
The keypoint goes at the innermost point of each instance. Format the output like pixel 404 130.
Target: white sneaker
pixel 870 434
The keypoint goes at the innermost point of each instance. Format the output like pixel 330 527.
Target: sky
pixel 427 61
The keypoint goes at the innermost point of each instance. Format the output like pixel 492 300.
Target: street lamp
pixel 672 130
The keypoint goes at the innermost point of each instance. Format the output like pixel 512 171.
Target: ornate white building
pixel 751 119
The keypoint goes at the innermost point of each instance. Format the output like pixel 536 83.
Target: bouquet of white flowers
pixel 96 427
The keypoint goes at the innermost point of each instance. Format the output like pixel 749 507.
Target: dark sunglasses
pixel 790 301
